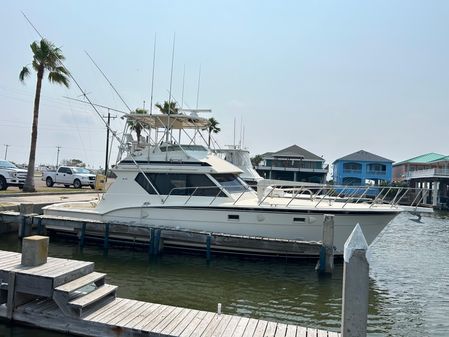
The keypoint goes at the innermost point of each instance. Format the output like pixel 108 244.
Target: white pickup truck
pixel 11 175
pixel 67 176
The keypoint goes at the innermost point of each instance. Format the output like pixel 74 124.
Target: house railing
pixel 427 173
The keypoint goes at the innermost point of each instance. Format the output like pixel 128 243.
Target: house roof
pixel 293 151
pixel 364 156
pixel 423 159
pixel 445 158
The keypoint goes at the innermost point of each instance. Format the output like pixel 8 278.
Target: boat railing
pixel 386 196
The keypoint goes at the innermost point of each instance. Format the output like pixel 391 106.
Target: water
pixel 409 282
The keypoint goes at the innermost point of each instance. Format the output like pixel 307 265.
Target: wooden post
pixel 106 238
pixel 34 250
pixel 355 286
pixel 82 235
pixel 151 244
pixel 25 227
pixel 208 243
pixel 326 262
pixel 157 241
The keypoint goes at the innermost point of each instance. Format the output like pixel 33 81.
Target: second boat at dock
pixel 163 182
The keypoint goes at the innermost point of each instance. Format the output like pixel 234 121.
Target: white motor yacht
pixel 161 182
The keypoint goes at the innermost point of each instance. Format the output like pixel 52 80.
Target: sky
pixel 333 77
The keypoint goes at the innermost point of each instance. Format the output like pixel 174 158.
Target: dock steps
pixel 104 292
pixel 94 277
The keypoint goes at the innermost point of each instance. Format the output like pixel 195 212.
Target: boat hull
pixel 271 223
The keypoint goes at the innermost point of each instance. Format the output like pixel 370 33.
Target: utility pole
pixel 57 156
pixel 106 164
pixel 6 150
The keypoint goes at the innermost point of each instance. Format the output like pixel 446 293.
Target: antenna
pixel 234 134
pixel 171 81
pixel 183 80
pixel 152 75
pixel 93 106
pixel 102 73
pixel 198 88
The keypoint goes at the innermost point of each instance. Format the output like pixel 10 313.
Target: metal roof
pixel 293 151
pixel 423 159
pixel 364 156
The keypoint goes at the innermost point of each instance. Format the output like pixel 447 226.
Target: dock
pixel 70 296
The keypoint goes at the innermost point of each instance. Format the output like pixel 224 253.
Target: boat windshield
pixel 230 182
pixel 182 147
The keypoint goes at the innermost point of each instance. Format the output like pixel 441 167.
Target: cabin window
pixel 230 182
pixel 233 217
pixel 299 219
pixel 179 184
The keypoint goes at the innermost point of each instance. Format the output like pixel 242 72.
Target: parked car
pixel 67 176
pixel 11 175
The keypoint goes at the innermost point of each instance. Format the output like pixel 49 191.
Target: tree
pixel 135 124
pixel 256 160
pixel 46 57
pixel 212 128
pixel 168 108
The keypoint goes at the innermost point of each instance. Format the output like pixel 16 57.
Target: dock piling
pixel 82 235
pixel 208 244
pixel 326 261
pixel 106 238
pixel 355 286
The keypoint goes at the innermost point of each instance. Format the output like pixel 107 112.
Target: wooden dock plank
pixel 150 317
pixel 270 330
pixel 80 282
pixel 98 315
pixel 312 332
pixel 166 321
pixel 183 324
pixel 240 328
pixel 175 322
pixel 193 324
pixel 232 325
pixel 221 326
pixel 322 333
pixel 125 312
pixel 260 329
pixel 281 330
pixel 97 310
pixel 155 322
pixel 291 331
pixel 139 315
pixel 250 327
pixel 301 332
pixel 208 318
pixel 94 295
pixel 111 313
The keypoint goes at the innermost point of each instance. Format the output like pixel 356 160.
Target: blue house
pixel 362 168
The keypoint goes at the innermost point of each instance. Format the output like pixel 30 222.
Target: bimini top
pixel 177 121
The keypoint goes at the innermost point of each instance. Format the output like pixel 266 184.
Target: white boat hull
pixel 240 221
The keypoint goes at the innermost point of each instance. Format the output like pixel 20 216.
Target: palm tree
pixel 135 125
pixel 46 57
pixel 169 108
pixel 212 128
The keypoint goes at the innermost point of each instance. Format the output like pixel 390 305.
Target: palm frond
pixel 58 78
pixel 25 72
